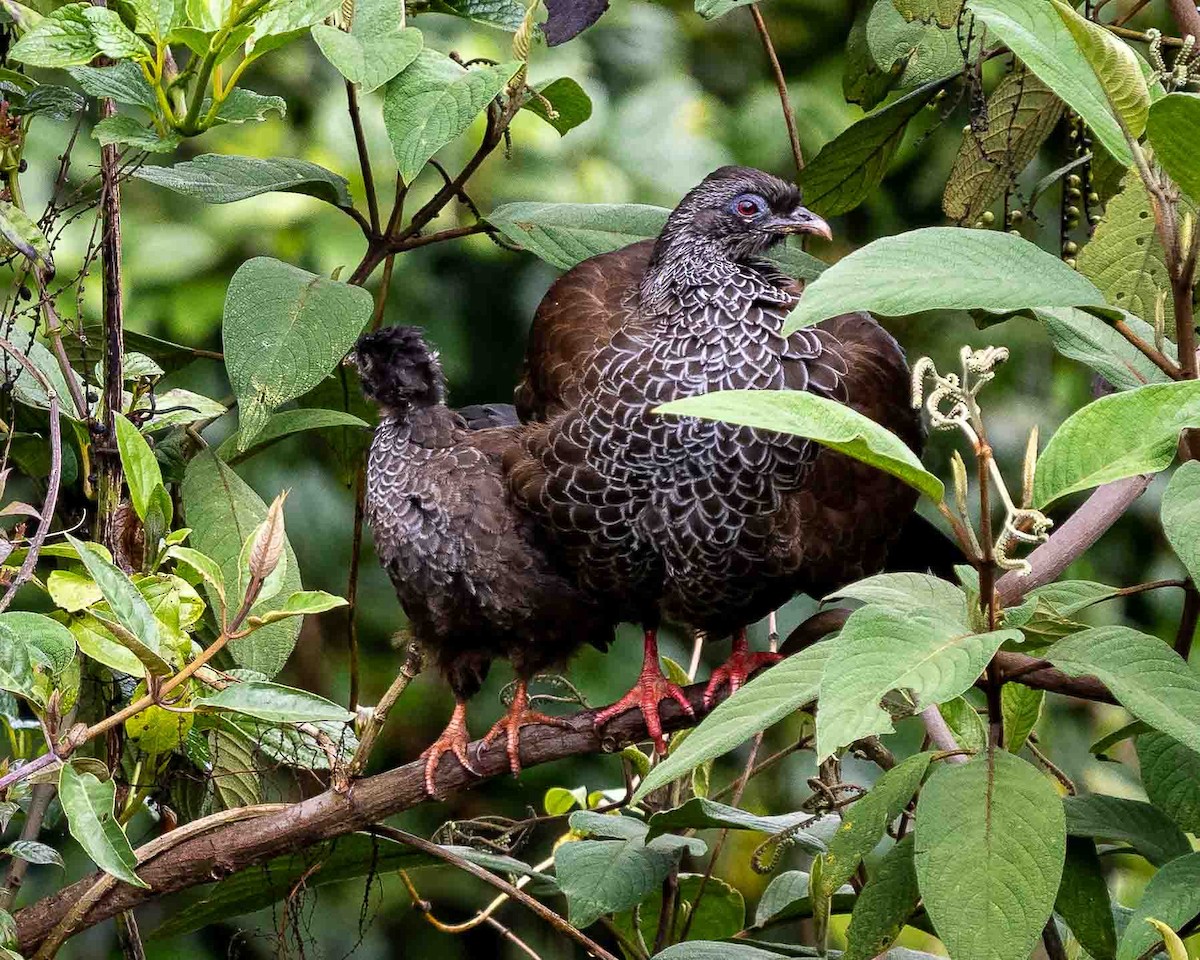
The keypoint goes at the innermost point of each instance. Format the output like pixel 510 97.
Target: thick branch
pixel 1187 16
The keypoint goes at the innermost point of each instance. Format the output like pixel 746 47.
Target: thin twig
pixel 408 670
pixel 39 802
pixel 364 156
pixel 520 896
pixel 1163 363
pixel 789 116
pixel 1187 621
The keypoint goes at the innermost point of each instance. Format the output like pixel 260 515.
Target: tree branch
pixel 1187 16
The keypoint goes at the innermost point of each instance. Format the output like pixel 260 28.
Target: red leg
pixel 738 668
pixel 454 739
pixel 651 688
pixel 519 715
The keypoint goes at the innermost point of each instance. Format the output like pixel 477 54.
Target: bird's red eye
pixel 747 208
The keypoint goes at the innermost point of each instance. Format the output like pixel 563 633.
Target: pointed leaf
pixel 702 814
pixel 1084 337
pixel 287 422
pixel 1170 772
pixel 125 601
pixel 571 104
pixel 889 898
pixel 376 48
pixel 222 178
pixel 302 603
pixel 1021 707
pixel 142 472
pixel 88 804
pixel 1181 516
pixel 34 650
pixel 274 703
pixel 1144 827
pixel 905 592
pixel 1083 900
pixel 1003 818
pixel 1172 896
pixel 1174 130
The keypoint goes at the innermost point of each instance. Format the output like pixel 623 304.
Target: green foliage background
pixel 674 97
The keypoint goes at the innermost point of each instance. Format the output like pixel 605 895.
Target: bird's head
pixel 743 212
pixel 398 369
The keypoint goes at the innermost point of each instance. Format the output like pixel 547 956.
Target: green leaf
pixel 503 14
pixel 208 569
pixel 63 38
pixel 764 701
pixel 222 511
pixel 702 814
pixel 914 53
pixel 111 36
pixel 222 178
pixel 18 232
pixel 1117 436
pixel 722 911
pixel 30 392
pixel 1084 337
pixel 274 703
pixel 925 657
pixel 1021 707
pixel 1181 516
pixel 786 898
pixel 959 270
pixel 88 804
pixel 852 165
pixel 1068 597
pixel 287 422
pixel 72 591
pixel 124 129
pixel 126 603
pixel 889 898
pixel 965 723
pixel 716 950
pixel 300 604
pixel 123 82
pixel 1172 896
pixel 242 106
pixel 1021 113
pixel 33 852
pixel 711 9
pixel 1125 259
pixel 281 17
pixel 157 18
pixel 377 47
pixel 1083 900
pixel 1173 131
pixel 1144 827
pixel 1170 772
pixel 432 101
pixel 905 592
pixel 97 642
pixel 1001 820
pixel 234 780
pixel 826 421
pixel 181 407
pixel 944 12
pixel 866 821
pixel 34 651
pixel 284 330
pixel 567 98
pixel 1146 676
pixel 1115 66
pixel 1039 37
pixel 47 100
pixel 564 234
pixel 142 472
pixel 156 731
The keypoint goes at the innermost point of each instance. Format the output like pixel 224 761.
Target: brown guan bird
pixel 467 565
pixel 706 523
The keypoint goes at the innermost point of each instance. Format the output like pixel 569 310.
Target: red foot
pixel 454 739
pixel 509 726
pixel 736 671
pixel 651 688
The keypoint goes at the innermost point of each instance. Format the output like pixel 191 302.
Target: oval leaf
pixel 223 178
pixel 1181 516
pixel 88 804
pixel 1174 131
pixel 1172 896
pixel 274 703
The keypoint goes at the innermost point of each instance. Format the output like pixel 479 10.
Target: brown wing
pixel 578 315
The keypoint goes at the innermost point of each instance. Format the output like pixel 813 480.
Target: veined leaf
pixel 959 270
pixel 1143 826
pixel 126 130
pixel 1170 772
pixel 123 82
pixel 1082 336
pixel 223 178
pixel 142 472
pixel 274 703
pixel 1117 436
pixel 826 421
pixel 1172 897
pixel 702 814
pixel 88 804
pixel 1181 516
pixel 905 592
pixel 376 48
pixel 889 898
pixel 1021 707
pixel 1002 817
pixel 1083 900
pixel 1174 131
pixel 287 422
pixel 945 12
pixel 570 103
pixel 34 651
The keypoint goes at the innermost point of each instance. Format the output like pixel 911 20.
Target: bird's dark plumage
pixel 467 567
pixel 713 524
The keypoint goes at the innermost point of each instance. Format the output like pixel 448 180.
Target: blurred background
pixel 674 96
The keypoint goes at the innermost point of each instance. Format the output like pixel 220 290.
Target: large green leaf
pixel 853 164
pixel 34 650
pixel 1181 516
pixel 1143 826
pixel 944 12
pixel 700 813
pixel 432 101
pixel 921 654
pixel 274 703
pixel 990 843
pixel 1021 707
pixel 1089 339
pixel 288 422
pixel 223 511
pixel 1021 113
pixel 826 421
pixel 1125 259
pixel 130 132
pixel 716 950
pixel 502 14
pixel 279 18
pixel 569 101
pixel 1083 900
pixel 910 52
pixel 764 701
pixel 224 178
pixel 889 898
pixel 906 592
pixel 88 804
pixel 1035 32
pixel 1172 896
pixel 284 330
pixel 376 48
pixel 1117 436
pixel 129 608
pixel 1170 772
pixel 957 269
pixel 1115 65
pixel 1146 676
pixel 1174 131
pixel 866 821
pixel 75 34
pixel 123 82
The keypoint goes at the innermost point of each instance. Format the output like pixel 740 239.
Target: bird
pixel 467 565
pixel 704 523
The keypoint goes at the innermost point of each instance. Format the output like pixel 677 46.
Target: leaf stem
pixel 364 156
pixel 789 115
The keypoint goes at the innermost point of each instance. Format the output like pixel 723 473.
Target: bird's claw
pixel 509 726
pixel 735 671
pixel 454 739
pixel 646 695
